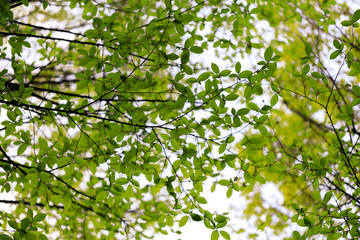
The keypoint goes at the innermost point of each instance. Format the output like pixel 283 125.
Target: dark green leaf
pixel 13 224
pixel 346 23
pixel 356 16
pixel 5 237
pixel 336 44
pixel 195 217
pixel 185 56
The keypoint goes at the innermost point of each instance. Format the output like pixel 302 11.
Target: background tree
pixel 116 116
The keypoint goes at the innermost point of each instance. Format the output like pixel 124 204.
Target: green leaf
pixel 305 69
pixel 229 192
pixel 253 106
pixel 243 111
pixel 21 149
pixel 181 88
pixel 172 56
pixel 180 29
pixel 204 76
pixel 268 53
pixel 101 196
pixel 307 222
pixel 5 237
pixel 278 167
pixel 336 44
pixel 201 200
pixel 346 23
pixel 231 97
pixel 25 2
pixel 224 182
pixel 215 68
pixel 195 217
pixel 183 221
pixel 245 74
pixel 327 197
pixel 225 73
pixel 39 217
pixel 308 49
pixel 162 207
pixel 91 33
pixel 334 54
pixel 222 147
pixel 25 223
pixel 43 237
pixel 356 16
pixel 196 49
pixel 13 224
pixel 185 18
pixel 237 67
pixel 185 56
pixel 215 235
pixel 260 179
pixel 274 99
pixel 225 235
pixel 356 90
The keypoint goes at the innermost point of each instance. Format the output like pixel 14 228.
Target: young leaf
pixel 39 217
pixel 274 99
pixel 225 235
pixel 183 221
pixel 215 235
pixel 268 53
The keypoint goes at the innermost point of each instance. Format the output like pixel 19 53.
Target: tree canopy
pixel 116 116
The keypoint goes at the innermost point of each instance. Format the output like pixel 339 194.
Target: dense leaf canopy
pixel 117 114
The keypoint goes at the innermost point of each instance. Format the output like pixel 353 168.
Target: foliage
pixel 116 113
